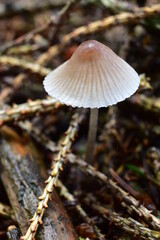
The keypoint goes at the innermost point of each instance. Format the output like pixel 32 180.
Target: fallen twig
pixel 33 67
pixel 22 111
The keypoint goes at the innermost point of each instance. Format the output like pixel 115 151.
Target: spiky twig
pixel 128 224
pixel 22 111
pixel 122 18
pixel 51 181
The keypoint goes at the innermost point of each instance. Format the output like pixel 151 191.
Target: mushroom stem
pixel 92 134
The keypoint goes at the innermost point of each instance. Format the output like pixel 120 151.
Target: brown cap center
pixel 88 51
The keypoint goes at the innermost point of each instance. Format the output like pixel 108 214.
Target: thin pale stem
pixel 92 134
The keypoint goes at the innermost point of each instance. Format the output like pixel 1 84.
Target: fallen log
pixel 23 174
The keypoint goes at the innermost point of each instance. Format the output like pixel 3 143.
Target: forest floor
pixel 117 196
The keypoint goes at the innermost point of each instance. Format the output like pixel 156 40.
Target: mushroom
pixel 93 77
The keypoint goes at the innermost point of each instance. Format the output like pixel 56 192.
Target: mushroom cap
pixel 93 77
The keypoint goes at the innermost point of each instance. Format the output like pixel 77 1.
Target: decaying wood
pixel 22 174
pixel 27 109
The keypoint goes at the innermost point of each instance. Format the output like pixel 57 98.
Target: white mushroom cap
pixel 93 77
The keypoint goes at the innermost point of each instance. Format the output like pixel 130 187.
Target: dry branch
pixel 33 67
pixel 22 174
pixel 25 110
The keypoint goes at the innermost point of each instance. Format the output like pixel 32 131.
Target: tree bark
pixel 23 175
